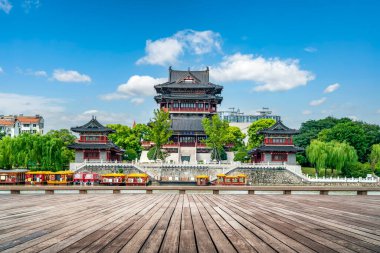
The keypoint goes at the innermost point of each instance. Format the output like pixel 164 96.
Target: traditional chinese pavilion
pixel 188 96
pixel 278 145
pixel 93 143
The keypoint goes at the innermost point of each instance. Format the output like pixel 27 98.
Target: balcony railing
pixel 210 110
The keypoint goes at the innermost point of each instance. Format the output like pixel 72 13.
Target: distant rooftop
pixel 234 115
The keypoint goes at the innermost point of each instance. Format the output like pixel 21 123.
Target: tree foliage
pixel 331 155
pixel 236 137
pixel 129 138
pixel 217 135
pixel 254 139
pixel 33 151
pixel 349 132
pixel 160 133
pixel 374 157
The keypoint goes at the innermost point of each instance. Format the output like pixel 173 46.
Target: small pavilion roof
pixel 92 126
pixel 278 128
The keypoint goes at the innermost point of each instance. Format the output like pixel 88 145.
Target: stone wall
pixel 268 176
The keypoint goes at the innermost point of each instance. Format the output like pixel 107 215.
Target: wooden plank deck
pixel 189 223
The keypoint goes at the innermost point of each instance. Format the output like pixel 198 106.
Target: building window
pixel 279 157
pixel 91 155
pixel 26 125
pixel 34 125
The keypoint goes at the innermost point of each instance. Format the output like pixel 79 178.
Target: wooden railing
pixel 322 190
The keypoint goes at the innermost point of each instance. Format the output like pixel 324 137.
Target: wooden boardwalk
pixel 189 223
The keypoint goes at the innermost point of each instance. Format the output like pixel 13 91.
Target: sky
pixel 68 60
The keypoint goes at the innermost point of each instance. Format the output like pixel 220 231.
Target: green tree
pixel 317 154
pixel 310 129
pixel 129 138
pixel 254 139
pixel 217 136
pixel 236 137
pixel 241 155
pixel 374 157
pixel 349 132
pixel 160 132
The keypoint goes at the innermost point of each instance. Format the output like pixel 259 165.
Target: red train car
pixel 137 179
pixel 113 179
pixel 202 179
pixel 37 177
pixel 223 179
pixel 12 176
pixel 86 178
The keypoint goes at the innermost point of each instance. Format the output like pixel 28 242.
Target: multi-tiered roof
pixel 189 85
pixel 94 128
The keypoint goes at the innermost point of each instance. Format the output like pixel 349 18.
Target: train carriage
pixel 86 178
pixel 36 177
pixel 12 176
pixel 137 179
pixel 223 179
pixel 113 179
pixel 202 180
pixel 60 178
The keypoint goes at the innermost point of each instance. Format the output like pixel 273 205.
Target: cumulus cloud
pixel 317 102
pixel 73 76
pixel 307 112
pixel 1 70
pixel 5 6
pixel 166 51
pixel 310 49
pixel 136 86
pixel 270 74
pixel 331 88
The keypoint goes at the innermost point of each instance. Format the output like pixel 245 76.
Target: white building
pixel 10 127
pixel 14 125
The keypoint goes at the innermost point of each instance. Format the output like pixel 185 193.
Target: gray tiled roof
pixel 201 76
pixel 188 96
pixel 92 126
pixel 275 148
pixel 193 124
pixel 278 128
pixel 107 146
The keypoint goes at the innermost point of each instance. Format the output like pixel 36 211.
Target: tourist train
pixel 22 176
pixel 86 178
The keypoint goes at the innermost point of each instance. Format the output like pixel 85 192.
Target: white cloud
pixel 307 112
pixel 137 101
pixel 91 111
pixel 1 70
pixel 5 6
pixel 317 102
pixel 40 73
pixel 271 74
pixel 62 75
pixel 166 51
pixel 331 88
pixel 310 49
pixel 136 86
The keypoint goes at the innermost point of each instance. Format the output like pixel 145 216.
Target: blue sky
pixel 68 60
